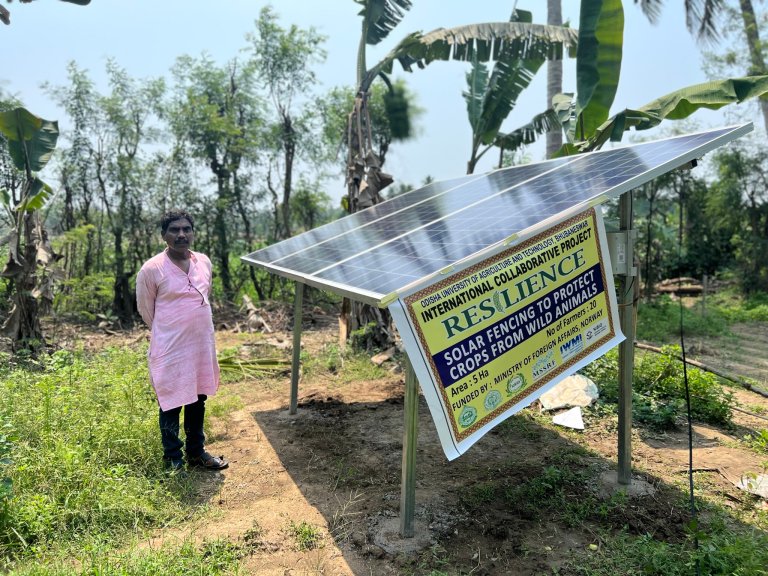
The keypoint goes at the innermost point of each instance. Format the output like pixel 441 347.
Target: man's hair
pixel 172 216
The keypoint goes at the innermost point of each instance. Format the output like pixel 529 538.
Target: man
pixel 172 291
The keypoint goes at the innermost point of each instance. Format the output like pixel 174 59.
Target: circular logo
pixel 467 416
pixel 492 399
pixel 515 384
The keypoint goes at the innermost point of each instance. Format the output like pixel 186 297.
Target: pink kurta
pixel 182 353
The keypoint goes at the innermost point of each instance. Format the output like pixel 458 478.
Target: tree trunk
pixel 122 302
pixel 30 295
pixel 363 190
pixel 554 78
pixel 247 228
pixel 755 49
pixel 289 149
pixel 222 241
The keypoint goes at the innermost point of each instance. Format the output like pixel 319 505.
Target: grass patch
pixel 557 490
pixel 341 365
pixel 659 320
pixel 211 558
pixel 734 308
pixel 721 551
pixel 81 456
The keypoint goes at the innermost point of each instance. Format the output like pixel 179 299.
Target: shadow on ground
pixel 523 500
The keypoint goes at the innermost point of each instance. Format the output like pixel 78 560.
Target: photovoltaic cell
pixel 375 252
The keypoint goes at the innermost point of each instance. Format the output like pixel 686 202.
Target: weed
pixel 305 535
pixel 211 558
pixel 341 364
pixel 480 494
pixel 520 425
pixel 345 474
pixel 659 321
pixel 758 441
pixel 223 403
pixel 342 521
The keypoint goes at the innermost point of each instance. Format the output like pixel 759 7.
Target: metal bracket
pixel 619 247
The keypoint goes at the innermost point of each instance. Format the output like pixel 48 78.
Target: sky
pixel 146 36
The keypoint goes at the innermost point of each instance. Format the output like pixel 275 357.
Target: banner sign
pixel 495 336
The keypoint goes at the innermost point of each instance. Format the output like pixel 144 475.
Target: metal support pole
pixel 626 348
pixel 408 483
pixel 296 366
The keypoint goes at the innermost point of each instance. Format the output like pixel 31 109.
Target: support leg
pixel 626 348
pixel 408 483
pixel 296 366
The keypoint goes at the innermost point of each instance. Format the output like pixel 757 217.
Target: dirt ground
pixel 336 466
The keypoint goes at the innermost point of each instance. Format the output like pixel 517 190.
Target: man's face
pixel 179 235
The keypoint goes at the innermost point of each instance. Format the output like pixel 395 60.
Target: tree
pixel 554 78
pixel 76 167
pixel 741 197
pixel 392 112
pixel 584 119
pixel 474 42
pixel 282 61
pixel 29 142
pixel 127 114
pixel 217 116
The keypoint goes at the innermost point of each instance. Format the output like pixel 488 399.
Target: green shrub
pixel 659 389
pixel 85 298
pixel 758 441
pixel 305 535
pixel 211 558
pixel 660 376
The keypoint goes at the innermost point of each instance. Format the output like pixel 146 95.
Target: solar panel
pixel 376 252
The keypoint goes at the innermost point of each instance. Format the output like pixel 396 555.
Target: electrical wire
pixel 694 513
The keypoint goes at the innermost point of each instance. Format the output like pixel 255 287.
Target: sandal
pixel 208 461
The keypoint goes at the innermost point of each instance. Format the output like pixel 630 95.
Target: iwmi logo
pixel 573 346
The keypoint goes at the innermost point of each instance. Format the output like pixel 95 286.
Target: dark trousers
pixel 194 415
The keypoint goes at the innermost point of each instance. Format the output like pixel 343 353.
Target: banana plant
pixel 30 142
pixel 470 43
pixel 491 96
pixel 481 42
pixel 584 118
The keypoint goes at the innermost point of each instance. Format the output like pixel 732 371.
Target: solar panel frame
pixel 327 258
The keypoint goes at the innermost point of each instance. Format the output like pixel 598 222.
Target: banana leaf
pixel 380 17
pixel 678 105
pixel 598 64
pixel 31 140
pixel 481 42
